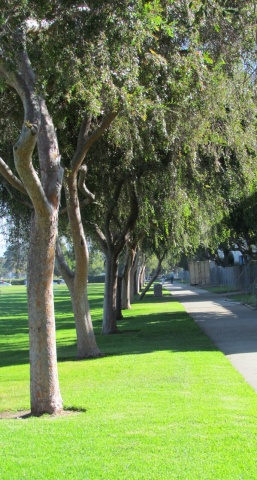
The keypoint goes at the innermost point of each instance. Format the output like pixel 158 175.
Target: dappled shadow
pixel 231 327
pixel 172 331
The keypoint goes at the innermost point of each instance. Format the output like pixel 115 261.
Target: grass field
pixel 162 404
pixel 248 298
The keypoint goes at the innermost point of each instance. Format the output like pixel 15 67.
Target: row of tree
pixel 138 129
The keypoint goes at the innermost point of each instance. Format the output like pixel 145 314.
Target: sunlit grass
pixel 162 404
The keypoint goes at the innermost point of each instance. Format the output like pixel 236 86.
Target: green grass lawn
pixel 249 298
pixel 162 404
pixel 222 289
pixel 246 298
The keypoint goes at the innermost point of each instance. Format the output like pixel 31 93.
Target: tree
pixel 44 194
pixel 16 259
pixel 77 280
pixel 96 265
pixel 27 34
pixel 112 239
pixel 152 60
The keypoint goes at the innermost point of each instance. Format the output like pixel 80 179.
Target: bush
pixel 17 281
pixel 96 278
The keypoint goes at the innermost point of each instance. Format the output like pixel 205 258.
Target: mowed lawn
pixel 162 404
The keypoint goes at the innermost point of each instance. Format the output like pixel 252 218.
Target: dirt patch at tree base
pixel 23 414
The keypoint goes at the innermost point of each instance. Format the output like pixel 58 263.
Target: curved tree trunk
pixel 156 273
pixel 44 193
pixel 86 341
pixel 77 281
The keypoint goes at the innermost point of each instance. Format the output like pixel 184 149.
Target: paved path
pixel 231 326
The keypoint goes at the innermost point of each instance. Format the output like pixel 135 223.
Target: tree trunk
pixel 110 295
pixel 119 315
pixel 86 342
pixel 44 384
pixel 133 289
pixel 125 291
pixel 77 281
pixel 44 193
pixel 156 273
pixel 112 249
pixel 142 277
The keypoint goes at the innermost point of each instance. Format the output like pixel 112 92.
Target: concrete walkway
pixel 231 326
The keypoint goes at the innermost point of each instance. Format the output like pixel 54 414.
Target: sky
pixel 2 245
pixel 3 227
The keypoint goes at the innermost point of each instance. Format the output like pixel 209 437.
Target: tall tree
pixel 152 59
pixel 77 281
pixel 44 192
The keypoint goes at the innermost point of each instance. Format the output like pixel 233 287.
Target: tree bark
pixel 110 292
pixel 133 284
pixel 75 178
pixel 141 277
pixel 112 243
pixel 119 315
pixel 77 281
pixel 156 273
pixel 126 283
pixel 44 385
pixel 44 194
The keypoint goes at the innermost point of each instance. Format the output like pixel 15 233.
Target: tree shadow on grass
pixel 139 334
pixel 174 332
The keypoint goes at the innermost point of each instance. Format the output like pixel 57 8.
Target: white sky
pixel 3 227
pixel 2 245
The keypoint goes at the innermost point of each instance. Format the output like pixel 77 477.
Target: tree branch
pixel 14 195
pixel 132 218
pixel 109 212
pixel 156 273
pixel 23 150
pixel 14 181
pixel 67 274
pixel 85 140
pixel 82 185
pixel 101 237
